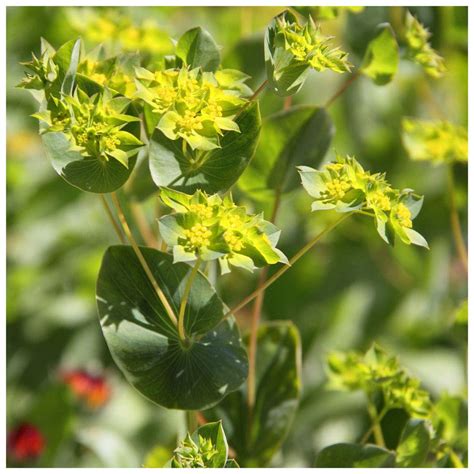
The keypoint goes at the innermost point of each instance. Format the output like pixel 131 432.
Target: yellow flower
pixel 403 215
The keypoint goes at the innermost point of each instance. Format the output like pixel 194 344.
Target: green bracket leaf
pixel 298 136
pixel 414 444
pixel 68 83
pixel 89 174
pixel 197 48
pixel 380 61
pixel 277 396
pixel 144 343
pixel 219 169
pixel 354 455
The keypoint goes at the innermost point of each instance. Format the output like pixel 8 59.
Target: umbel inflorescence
pixel 344 186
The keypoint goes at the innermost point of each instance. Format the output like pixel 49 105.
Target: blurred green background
pixel 351 290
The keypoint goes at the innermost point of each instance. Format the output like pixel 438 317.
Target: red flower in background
pixel 92 389
pixel 25 442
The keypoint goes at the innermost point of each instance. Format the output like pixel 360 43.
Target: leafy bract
pixel 197 48
pixel 344 186
pixel 414 444
pixel 87 133
pixel 211 171
pixel 192 107
pixel 379 371
pixel 206 447
pixel 438 141
pixel 145 344
pixel 278 388
pixel 210 228
pixel 291 50
pixel 380 61
pixel 354 455
pixel 298 136
pixel 419 49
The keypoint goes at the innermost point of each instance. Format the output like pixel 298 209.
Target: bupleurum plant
pixel 194 129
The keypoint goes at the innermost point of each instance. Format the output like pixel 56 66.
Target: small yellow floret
pixel 198 236
pixel 337 187
pixel 379 200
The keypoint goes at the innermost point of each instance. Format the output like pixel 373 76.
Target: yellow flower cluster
pixel 379 199
pixel 337 188
pixel 198 236
pixel 192 105
pixel 202 210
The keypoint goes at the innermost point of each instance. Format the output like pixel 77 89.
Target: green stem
pixel 112 219
pixel 191 421
pixel 143 262
pixel 256 314
pixel 342 89
pixel 379 418
pixel 455 459
pixel 184 301
pixel 259 90
pixel 283 269
pixel 376 428
pixel 455 223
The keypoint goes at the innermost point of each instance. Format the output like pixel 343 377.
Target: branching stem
pixel 376 428
pixel 342 89
pixel 377 421
pixel 283 269
pixel 142 260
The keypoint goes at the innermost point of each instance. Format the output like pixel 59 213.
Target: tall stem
pixel 184 301
pixel 112 219
pixel 142 260
pixel 455 223
pixel 283 269
pixel 342 89
pixel 256 314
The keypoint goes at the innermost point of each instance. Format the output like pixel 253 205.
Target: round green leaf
pixel 197 48
pixel 89 174
pixel 277 396
pixel 414 444
pixel 354 455
pixel 298 136
pixel 219 170
pixel 145 344
pixel 380 61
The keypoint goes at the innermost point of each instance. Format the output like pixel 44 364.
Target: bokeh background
pixel 349 291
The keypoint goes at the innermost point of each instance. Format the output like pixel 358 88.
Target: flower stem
pixel 259 90
pixel 283 269
pixel 378 419
pixel 143 226
pixel 184 301
pixel 376 428
pixel 342 89
pixel 455 223
pixel 142 260
pixel 455 459
pixel 191 421
pixel 112 219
